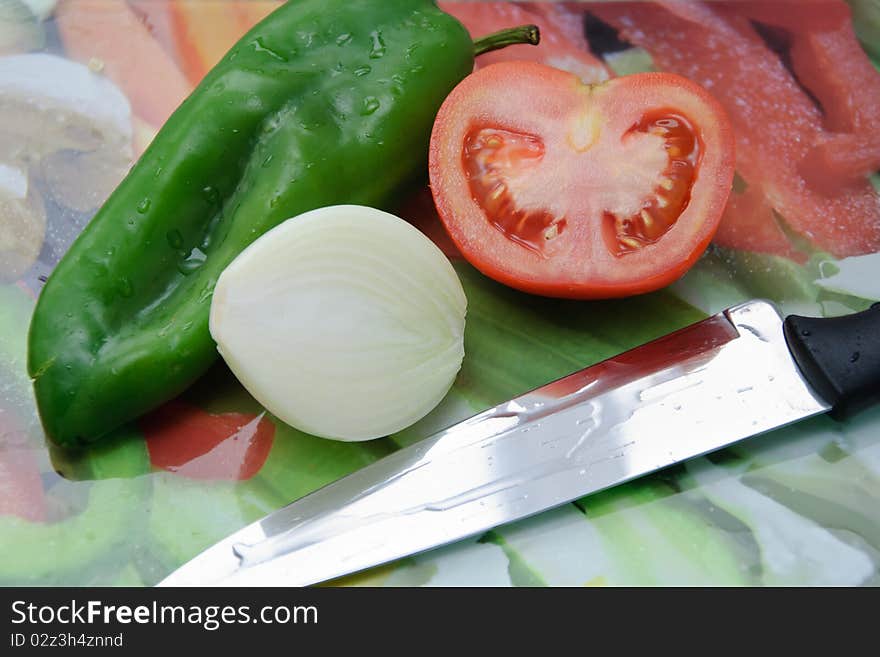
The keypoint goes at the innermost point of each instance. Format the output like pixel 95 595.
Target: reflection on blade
pixel 683 395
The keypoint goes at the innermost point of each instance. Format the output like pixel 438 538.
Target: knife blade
pixel 734 375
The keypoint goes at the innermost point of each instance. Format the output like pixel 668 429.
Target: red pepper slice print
pixel 186 440
pixel 800 16
pixel 829 61
pixel 21 483
pixel 833 66
pixel 775 122
pixel 749 224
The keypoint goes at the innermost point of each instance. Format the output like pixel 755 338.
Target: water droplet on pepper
pixel 211 195
pixel 260 46
pixel 378 46
pixel 175 239
pixel 192 263
pixel 371 104
pixel 125 287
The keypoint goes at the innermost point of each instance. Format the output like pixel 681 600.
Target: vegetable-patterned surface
pixel 798 506
pixel 290 120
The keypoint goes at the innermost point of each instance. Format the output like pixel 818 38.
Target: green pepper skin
pixel 324 102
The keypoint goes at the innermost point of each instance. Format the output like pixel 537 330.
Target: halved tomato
pixel 564 189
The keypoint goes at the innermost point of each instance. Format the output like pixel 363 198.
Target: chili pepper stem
pixel 511 36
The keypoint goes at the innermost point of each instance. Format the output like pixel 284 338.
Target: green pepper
pixel 324 102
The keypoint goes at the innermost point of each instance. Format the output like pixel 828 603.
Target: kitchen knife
pixel 734 375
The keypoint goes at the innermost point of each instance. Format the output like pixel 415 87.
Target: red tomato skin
pixel 776 123
pixel 186 440
pixel 656 265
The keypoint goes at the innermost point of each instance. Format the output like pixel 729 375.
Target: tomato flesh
pixel 490 155
pixel 672 194
pixel 588 191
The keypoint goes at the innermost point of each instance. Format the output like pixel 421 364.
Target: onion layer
pixel 344 322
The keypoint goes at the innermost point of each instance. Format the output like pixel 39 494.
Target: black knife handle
pixel 839 357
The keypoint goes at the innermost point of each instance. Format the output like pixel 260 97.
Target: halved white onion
pixel 344 322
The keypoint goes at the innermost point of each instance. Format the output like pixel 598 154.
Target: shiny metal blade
pixel 686 394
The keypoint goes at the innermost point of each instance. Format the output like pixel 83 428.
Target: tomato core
pixel 495 159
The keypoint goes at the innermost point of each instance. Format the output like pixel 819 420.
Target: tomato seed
pixel 490 157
